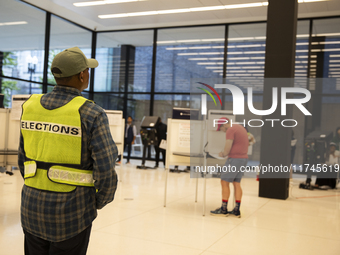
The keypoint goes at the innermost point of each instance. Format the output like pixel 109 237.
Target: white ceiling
pixel 88 16
pixel 63 34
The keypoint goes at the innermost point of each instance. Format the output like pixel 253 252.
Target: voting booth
pixel 180 150
pixel 10 131
pixel 194 142
pixel 178 147
pixel 117 128
pixel 4 116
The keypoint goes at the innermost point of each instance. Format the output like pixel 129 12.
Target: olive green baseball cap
pixel 70 62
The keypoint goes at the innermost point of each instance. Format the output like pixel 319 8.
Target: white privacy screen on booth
pixel 117 124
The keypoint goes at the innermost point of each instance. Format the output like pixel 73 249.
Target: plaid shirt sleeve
pixel 21 155
pixel 104 154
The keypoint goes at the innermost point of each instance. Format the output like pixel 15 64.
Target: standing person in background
pixel 130 136
pixel 67 158
pixel 236 149
pixel 332 158
pixel 161 135
pixel 336 138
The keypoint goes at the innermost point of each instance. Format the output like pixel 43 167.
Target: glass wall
pixel 326 48
pixel 165 103
pixel 12 87
pixel 66 35
pixel 246 51
pixel 22 37
pixel 125 60
pixel 186 53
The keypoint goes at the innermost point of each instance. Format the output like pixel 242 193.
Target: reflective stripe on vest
pixel 53 136
pixel 73 176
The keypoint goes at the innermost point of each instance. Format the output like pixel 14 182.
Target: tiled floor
pixel 138 223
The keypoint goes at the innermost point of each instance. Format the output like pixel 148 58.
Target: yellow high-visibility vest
pixel 52 144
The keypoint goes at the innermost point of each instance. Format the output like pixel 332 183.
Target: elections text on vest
pixel 54 128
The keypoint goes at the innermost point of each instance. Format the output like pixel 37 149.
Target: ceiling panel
pixel 228 14
pixel 226 2
pixel 333 5
pixel 211 2
pixel 316 7
pixel 258 12
pixel 210 32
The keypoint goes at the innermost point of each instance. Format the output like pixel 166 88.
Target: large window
pixel 301 53
pixel 186 53
pixel 12 87
pixel 246 52
pixel 66 35
pixel 326 49
pixel 165 103
pixel 125 61
pixel 21 47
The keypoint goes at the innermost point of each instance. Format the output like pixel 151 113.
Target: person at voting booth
pixel 332 158
pixel 336 138
pixel 161 135
pixel 236 149
pixel 67 159
pixel 130 137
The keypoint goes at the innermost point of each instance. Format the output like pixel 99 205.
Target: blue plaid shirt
pixel 59 216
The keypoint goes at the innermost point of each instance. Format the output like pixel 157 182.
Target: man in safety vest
pixel 67 158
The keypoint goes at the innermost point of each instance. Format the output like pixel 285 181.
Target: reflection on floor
pixel 137 223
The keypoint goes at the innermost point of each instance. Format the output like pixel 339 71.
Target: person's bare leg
pixel 223 210
pixel 225 190
pixel 238 191
pixel 238 196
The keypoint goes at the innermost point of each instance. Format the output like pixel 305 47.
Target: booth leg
pixel 144 155
pixel 196 190
pixel 166 185
pixel 204 194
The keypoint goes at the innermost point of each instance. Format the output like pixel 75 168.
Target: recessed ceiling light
pixel 241 38
pixel 200 48
pixel 328 34
pixel 214 67
pixel 187 54
pixel 239 58
pixel 197 59
pixel 13 23
pixel 166 42
pixel 93 3
pixel 194 40
pixel 211 53
pixel 177 48
pixel 171 11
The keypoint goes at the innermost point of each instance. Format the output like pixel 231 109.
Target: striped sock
pixel 224 205
pixel 238 204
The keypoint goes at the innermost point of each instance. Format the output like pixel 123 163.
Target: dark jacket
pixel 336 138
pixel 161 132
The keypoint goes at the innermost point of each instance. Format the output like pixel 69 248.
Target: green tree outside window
pixel 8 86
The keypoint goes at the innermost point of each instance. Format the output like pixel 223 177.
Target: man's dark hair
pixel 130 117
